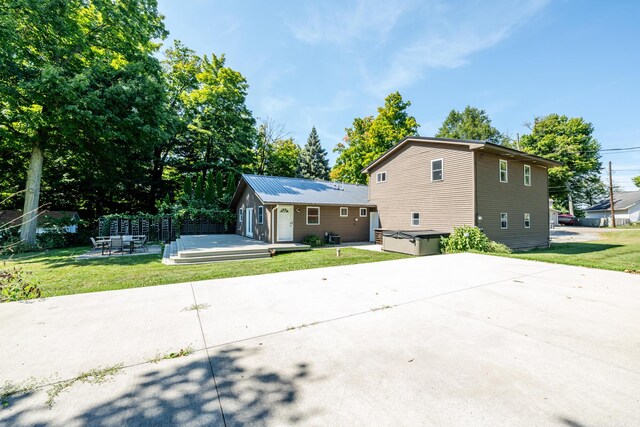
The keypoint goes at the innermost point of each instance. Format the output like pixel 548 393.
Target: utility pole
pixel 613 211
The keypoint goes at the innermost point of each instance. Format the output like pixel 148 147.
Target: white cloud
pixel 361 19
pixel 273 105
pixel 449 36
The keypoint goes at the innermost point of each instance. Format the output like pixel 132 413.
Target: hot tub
pixel 417 243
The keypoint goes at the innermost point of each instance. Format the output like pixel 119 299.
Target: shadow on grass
pixel 573 248
pixel 68 257
pixel 180 392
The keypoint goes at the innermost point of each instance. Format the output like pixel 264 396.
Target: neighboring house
pixel 11 219
pixel 438 183
pixel 277 209
pixel 626 205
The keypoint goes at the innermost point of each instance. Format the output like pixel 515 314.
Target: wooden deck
pixel 195 249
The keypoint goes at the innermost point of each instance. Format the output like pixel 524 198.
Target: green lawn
pixel 618 250
pixel 58 272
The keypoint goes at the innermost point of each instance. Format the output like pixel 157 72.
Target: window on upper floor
pixel 503 171
pixel 437 169
pixel 381 177
pixel 527 175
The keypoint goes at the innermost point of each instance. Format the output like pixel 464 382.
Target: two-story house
pixel 438 183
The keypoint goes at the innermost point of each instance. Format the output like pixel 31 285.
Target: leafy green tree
pixel 283 160
pixel 231 186
pixel 220 131
pixel 313 162
pixel 369 137
pixel 269 133
pixel 471 123
pixel 571 142
pixel 636 181
pixel 52 52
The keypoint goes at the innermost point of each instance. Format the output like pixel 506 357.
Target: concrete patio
pixel 454 340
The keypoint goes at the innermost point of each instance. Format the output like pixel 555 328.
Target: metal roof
pixel 622 200
pixel 277 189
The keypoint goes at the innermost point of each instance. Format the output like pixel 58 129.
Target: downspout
pixel 271 231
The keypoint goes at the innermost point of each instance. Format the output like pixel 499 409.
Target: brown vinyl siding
pixel 514 198
pixel 352 228
pixel 442 204
pixel 250 200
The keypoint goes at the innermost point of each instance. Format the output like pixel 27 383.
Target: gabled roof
pixel 277 189
pixel 473 144
pixel 622 200
pixel 14 217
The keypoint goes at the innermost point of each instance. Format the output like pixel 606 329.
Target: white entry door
pixel 373 224
pixel 248 217
pixel 285 223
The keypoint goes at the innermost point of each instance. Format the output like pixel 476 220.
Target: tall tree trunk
pixel 32 195
pixel 156 180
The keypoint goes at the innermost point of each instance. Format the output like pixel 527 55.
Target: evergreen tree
pixel 231 185
pixel 210 191
pixel 219 185
pixel 313 163
pixel 198 194
pixel 187 188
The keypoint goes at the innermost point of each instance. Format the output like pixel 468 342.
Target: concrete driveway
pixel 449 340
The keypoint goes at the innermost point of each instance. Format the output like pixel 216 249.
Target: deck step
pixel 205 253
pixel 218 258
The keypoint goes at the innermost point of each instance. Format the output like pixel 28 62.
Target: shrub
pixel 498 248
pixel 313 241
pixel 15 287
pixel 463 239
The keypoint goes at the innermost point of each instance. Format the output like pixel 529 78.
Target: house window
pixel 436 170
pixel 415 219
pixel 504 224
pixel 241 214
pixel 313 215
pixel 363 211
pixel 260 214
pixel 344 211
pixel 381 177
pixel 527 175
pixel 527 220
pixel 503 170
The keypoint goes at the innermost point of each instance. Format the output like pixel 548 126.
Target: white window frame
pixel 412 218
pixel 506 170
pixel 307 217
pixel 527 168
pixel 506 221
pixel 260 214
pixel 347 211
pixel 441 170
pixel 366 212
pixel 527 220
pixel 241 214
pixel 379 179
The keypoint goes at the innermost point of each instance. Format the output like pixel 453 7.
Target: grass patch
pixel 93 376
pixel 183 352
pixel 198 307
pixel 382 307
pixel 59 272
pixel 618 251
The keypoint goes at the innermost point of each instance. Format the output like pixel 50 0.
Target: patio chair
pixel 95 244
pixel 140 243
pixel 116 243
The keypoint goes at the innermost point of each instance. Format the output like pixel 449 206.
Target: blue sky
pixel 323 63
